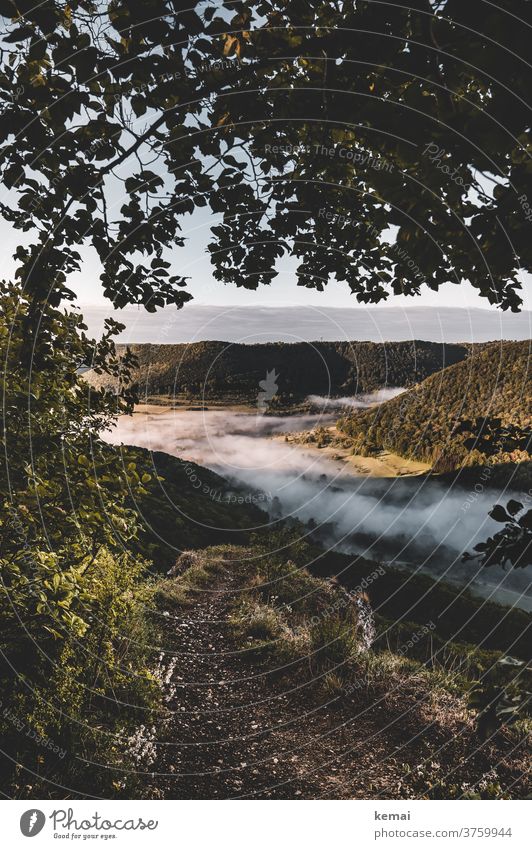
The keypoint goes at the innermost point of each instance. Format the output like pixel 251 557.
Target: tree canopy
pixel 384 144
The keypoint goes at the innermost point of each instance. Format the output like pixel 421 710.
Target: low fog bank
pixel 249 324
pixel 407 521
pixel 357 402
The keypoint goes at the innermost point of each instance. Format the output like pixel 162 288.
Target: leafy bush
pixel 513 543
pixel 83 687
pixel 75 635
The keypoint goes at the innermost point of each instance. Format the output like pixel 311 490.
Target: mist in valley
pixel 358 402
pixel 413 522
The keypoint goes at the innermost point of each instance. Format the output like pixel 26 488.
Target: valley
pixel 381 472
pixel 322 635
pixel 298 468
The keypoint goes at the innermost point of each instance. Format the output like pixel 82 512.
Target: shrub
pixel 333 641
pixel 89 683
pixel 258 622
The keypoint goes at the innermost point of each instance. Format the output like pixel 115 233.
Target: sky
pixel 192 261
pixel 286 312
pixel 305 323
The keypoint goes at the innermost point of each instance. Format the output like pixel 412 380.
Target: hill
pixel 221 370
pixel 473 412
pixel 184 506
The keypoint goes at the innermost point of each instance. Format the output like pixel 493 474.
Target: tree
pixel 513 543
pixel 311 128
pixel 491 436
pixel 74 640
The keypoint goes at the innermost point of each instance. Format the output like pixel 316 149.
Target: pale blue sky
pixel 192 261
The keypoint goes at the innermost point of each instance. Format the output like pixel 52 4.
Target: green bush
pixel 83 689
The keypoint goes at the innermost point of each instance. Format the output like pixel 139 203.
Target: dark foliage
pixel 426 423
pixel 209 370
pixel 502 696
pixel 310 127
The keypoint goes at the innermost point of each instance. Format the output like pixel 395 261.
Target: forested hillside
pixel 383 148
pixel 475 411
pixel 234 371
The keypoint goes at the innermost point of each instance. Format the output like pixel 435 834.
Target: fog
pixel 357 401
pixel 412 521
pixel 256 323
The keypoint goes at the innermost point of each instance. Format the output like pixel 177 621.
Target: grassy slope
pixel 493 382
pixel 187 506
pixel 405 598
pixel 297 707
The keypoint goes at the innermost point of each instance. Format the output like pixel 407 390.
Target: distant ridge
pixel 228 370
pixel 250 325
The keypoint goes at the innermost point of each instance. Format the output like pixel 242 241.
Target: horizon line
pixel 361 307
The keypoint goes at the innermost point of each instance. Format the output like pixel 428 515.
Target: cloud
pixel 246 324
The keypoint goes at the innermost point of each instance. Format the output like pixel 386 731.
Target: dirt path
pixel 239 730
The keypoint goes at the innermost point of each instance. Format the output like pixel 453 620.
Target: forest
pixel 427 422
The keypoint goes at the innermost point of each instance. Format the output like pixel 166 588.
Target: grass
pixel 283 583
pixel 334 642
pixel 259 622
pixel 181 590
pixel 287 615
pixel 306 626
